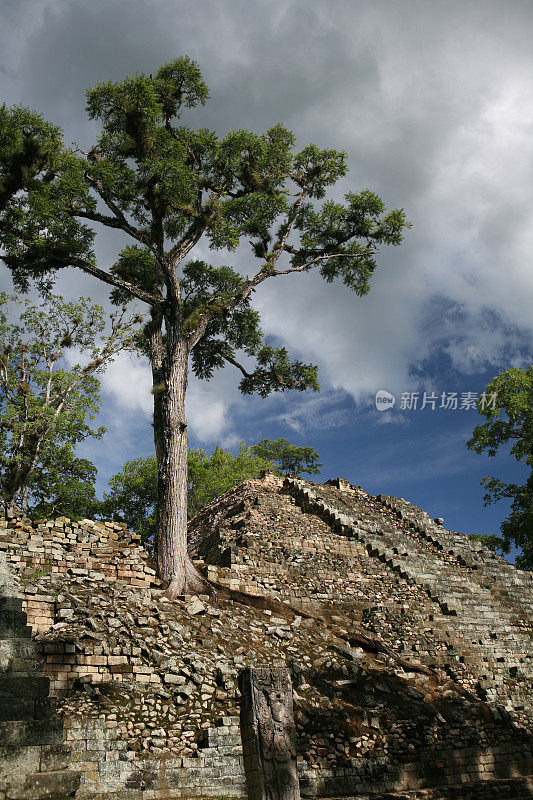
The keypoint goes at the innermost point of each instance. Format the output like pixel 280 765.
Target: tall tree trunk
pixel 155 335
pixel 170 429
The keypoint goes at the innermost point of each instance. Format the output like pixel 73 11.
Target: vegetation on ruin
pixel 510 423
pixel 289 458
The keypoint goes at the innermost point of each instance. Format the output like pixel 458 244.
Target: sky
pixel 433 104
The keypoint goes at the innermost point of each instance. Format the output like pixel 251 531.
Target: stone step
pixel 18 648
pixel 10 604
pixel 503 789
pixel 13 625
pixel 21 667
pixel 56 785
pixel 21 760
pixel 12 616
pixel 20 733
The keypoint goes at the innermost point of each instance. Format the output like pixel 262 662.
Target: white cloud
pixel 433 104
pixel 207 412
pixel 128 381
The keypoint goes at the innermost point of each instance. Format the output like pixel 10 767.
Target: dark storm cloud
pixel 431 101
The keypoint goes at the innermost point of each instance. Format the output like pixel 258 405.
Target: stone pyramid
pixel 409 648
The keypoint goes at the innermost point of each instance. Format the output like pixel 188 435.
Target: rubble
pixel 147 689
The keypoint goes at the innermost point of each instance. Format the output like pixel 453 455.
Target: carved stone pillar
pixel 268 734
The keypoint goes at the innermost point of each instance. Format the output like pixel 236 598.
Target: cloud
pixel 207 413
pixel 128 381
pixel 432 103
pixel 311 412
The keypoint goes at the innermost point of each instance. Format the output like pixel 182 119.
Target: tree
pixel 289 458
pixel 212 474
pixel 133 492
pixel 507 403
pixel 165 186
pixel 491 541
pixel 133 496
pixel 63 485
pixel 45 408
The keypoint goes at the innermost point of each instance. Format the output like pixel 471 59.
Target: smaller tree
pixel 491 541
pixel 133 492
pixel 63 485
pixel 44 407
pixel 507 403
pixel 212 474
pixel 132 496
pixel 289 458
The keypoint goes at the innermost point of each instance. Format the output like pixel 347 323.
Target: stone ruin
pixel 408 646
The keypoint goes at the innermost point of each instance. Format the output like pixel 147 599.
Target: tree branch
pixel 113 280
pixel 321 258
pixel 265 272
pixel 192 237
pixel 94 216
pixel 118 214
pixel 236 364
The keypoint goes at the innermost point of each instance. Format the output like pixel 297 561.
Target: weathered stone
pixel 196 607
pixel 269 734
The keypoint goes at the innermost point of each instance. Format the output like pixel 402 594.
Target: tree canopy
pixel 289 458
pixel 132 497
pixel 46 405
pixel 212 474
pixel 152 178
pixel 509 417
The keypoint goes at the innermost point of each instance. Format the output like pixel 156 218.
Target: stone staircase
pixel 34 763
pixel 471 586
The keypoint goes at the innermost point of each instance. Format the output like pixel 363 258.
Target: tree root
pixel 196 583
pixel 370 644
pixel 193 582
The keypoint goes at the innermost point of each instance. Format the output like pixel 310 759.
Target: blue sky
pixel 420 455
pixel 433 104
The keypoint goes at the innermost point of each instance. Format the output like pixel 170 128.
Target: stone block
pixel 59 785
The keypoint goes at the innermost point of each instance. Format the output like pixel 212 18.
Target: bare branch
pixel 236 364
pixel 119 283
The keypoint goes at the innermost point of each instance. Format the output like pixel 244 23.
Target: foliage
pixel 510 421
pixel 289 458
pixel 491 541
pixel 133 492
pixel 161 181
pixel 212 474
pixel 63 485
pixel 133 496
pixel 165 186
pixel 45 408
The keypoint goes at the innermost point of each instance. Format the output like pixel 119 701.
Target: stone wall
pixel 147 689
